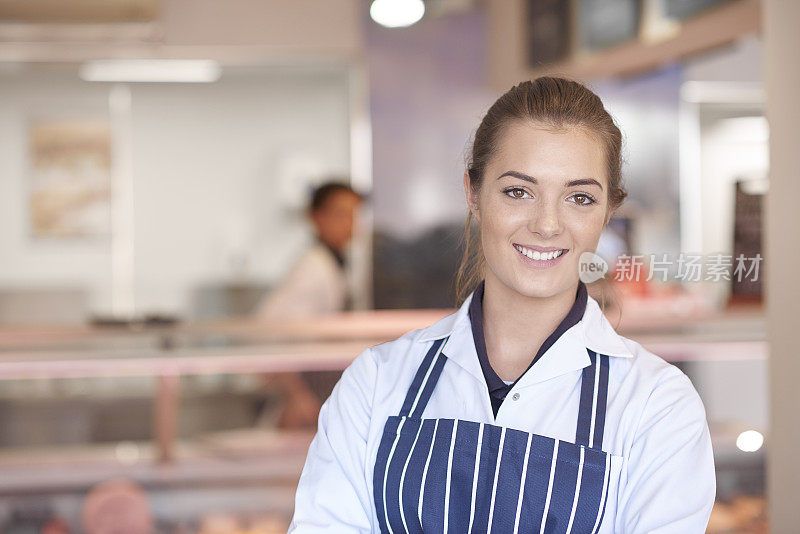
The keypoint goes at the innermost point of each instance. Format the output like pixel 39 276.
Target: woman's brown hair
pixel 556 103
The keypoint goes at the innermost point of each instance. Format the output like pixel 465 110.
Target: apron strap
pixel 594 394
pixel 421 389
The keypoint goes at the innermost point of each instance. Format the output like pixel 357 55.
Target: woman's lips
pixel 542 258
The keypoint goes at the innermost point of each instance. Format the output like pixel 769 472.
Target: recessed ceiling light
pixel 396 13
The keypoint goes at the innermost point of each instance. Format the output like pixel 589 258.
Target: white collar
pixel 568 353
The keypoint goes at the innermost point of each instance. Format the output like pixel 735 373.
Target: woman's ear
pixel 472 198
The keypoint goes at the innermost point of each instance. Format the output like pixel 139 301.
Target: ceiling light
pixel 151 70
pixel 396 13
pixel 750 441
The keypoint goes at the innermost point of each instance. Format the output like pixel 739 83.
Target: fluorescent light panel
pixel 151 70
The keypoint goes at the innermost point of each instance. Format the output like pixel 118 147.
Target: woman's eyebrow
pixel 571 183
pixel 520 175
pixel 584 181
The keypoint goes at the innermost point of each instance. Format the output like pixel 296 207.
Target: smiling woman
pixel 541 207
pixel 524 411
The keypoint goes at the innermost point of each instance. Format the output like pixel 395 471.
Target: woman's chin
pixel 544 285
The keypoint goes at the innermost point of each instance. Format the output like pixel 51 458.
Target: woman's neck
pixel 515 326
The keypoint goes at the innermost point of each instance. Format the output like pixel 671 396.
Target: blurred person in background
pixel 317 282
pixel 315 285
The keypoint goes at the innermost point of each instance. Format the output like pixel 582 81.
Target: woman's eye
pixel 515 192
pixel 583 199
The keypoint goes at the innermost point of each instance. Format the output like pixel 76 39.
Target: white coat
pixel 315 285
pixel 662 469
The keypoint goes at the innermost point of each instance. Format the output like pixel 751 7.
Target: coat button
pixel 515 396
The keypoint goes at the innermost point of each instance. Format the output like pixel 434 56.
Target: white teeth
pixel 536 255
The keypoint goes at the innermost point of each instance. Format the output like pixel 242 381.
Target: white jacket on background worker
pixel 654 471
pixel 315 285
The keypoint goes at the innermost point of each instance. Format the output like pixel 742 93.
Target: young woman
pixel 524 411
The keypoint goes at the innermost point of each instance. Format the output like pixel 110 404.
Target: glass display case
pixel 186 416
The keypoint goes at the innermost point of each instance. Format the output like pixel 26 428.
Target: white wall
pixel 216 171
pixel 25 263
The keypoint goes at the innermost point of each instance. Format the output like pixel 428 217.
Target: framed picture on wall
pixel 748 272
pixel 70 178
pixel 548 26
pixel 605 23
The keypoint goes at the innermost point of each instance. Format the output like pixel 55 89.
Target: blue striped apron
pixel 440 475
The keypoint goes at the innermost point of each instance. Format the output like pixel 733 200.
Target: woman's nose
pixel 545 220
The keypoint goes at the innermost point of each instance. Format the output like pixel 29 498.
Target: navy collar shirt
pixel 497 388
